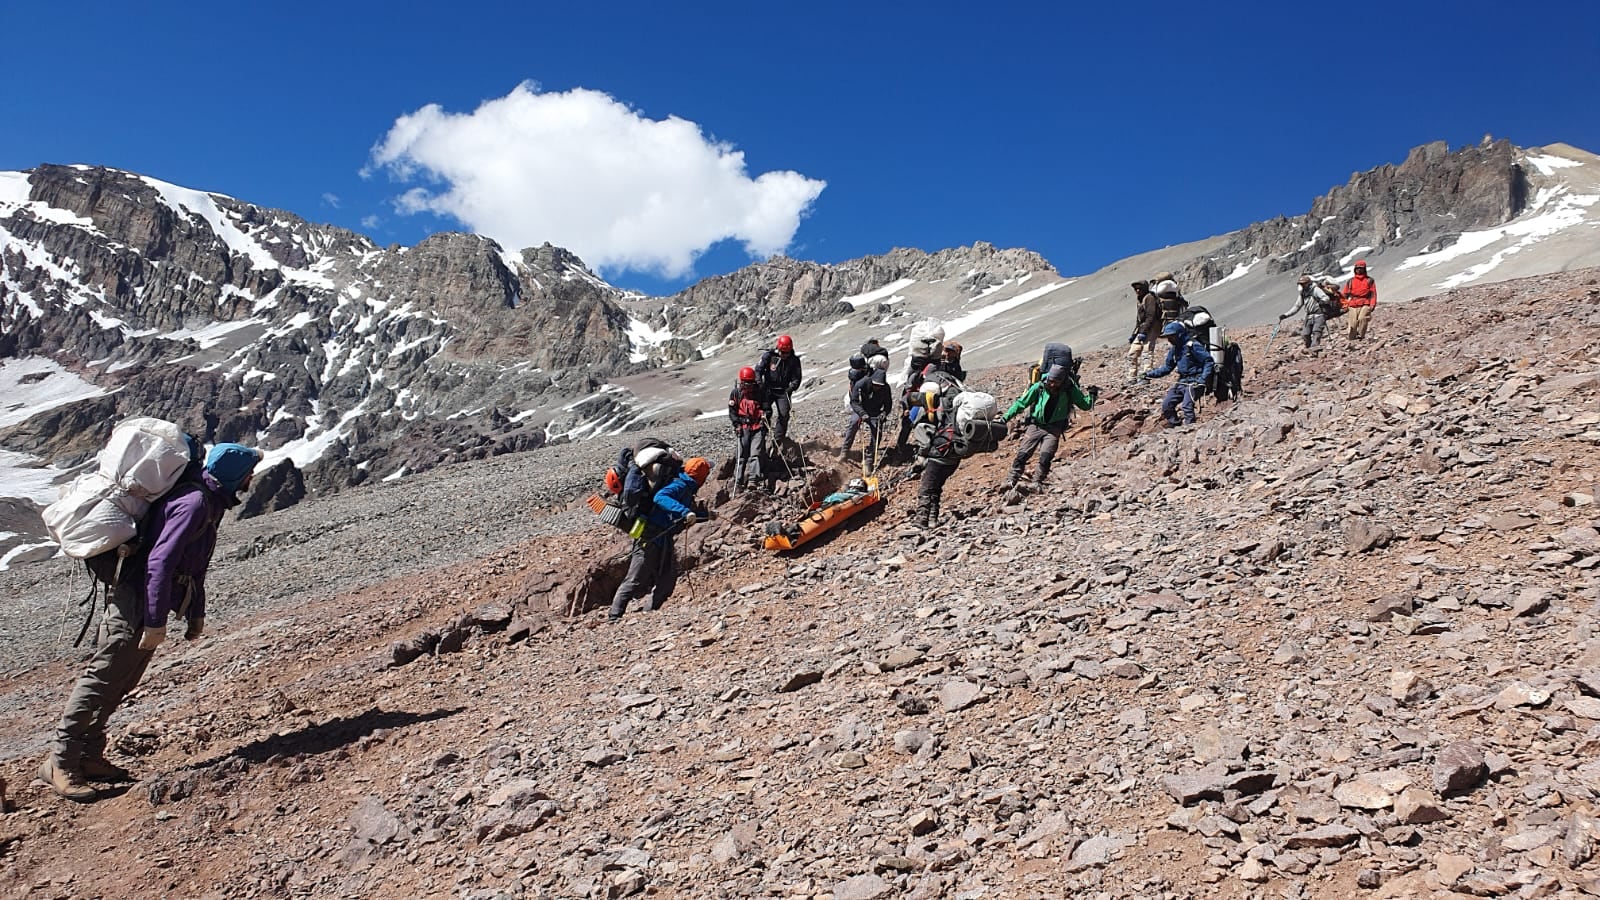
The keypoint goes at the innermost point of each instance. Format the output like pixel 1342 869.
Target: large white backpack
pixel 926 338
pixel 101 509
pixel 976 429
pixel 973 406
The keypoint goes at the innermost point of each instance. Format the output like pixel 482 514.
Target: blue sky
pixel 1086 135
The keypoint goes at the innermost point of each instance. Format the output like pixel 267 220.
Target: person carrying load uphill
pixel 1195 367
pixel 949 362
pixel 1049 404
pixel 164 577
pixel 927 348
pixel 938 457
pixel 653 564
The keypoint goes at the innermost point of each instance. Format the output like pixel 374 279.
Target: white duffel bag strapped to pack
pixel 101 509
pixel 926 338
pixel 972 406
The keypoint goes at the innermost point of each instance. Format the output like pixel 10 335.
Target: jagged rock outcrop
pixel 1434 191
pixel 250 324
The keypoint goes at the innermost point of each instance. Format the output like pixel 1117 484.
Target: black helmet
pixel 858 362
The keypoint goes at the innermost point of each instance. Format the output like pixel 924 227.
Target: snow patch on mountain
pixel 642 338
pixel 14 190
pixel 36 384
pixel 26 477
pixel 886 292
pixel 208 336
pixel 1359 251
pixel 1555 209
pixel 967 321
pixel 1547 165
pixel 188 202
pixel 1239 271
pixel 305 450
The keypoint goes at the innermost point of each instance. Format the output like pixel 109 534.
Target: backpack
pixel 633 480
pixel 102 509
pixel 972 424
pixel 1055 354
pixel 1227 377
pixel 927 338
pixel 1227 380
pixel 1333 307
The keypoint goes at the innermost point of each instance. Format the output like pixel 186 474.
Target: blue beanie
pixel 230 464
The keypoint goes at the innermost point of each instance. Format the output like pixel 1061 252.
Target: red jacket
pixel 1361 291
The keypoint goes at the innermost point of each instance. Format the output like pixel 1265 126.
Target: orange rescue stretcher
pixel 820 521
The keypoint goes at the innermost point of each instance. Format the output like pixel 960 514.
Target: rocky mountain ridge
pixel 357 363
pixel 348 359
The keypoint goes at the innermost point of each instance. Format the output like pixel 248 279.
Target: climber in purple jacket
pixel 168 580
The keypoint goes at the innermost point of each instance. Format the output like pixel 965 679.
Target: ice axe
pixel 1273 336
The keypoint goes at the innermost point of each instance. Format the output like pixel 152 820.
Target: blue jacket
pixel 1192 360
pixel 672 503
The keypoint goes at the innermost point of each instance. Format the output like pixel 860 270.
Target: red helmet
pixel 747 375
pixel 785 344
pixel 1361 264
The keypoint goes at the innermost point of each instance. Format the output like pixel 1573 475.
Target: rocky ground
pixel 1338 639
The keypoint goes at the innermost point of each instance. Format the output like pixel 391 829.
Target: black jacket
pixel 867 401
pixel 779 373
pixel 873 348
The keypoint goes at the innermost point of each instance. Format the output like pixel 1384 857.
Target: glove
pixel 1094 393
pixel 151 638
pixel 197 626
pixel 690 519
pixel 1282 317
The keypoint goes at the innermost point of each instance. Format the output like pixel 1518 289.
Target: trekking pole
pixel 1274 335
pixel 874 429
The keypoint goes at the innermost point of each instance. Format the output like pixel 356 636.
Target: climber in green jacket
pixel 1049 403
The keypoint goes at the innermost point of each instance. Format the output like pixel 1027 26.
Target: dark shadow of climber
pixel 315 739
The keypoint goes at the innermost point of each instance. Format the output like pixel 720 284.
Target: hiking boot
pixel 98 768
pixel 1011 482
pixel 66 782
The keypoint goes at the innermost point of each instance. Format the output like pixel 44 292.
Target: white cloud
pixel 370 222
pixel 331 199
pixel 583 171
